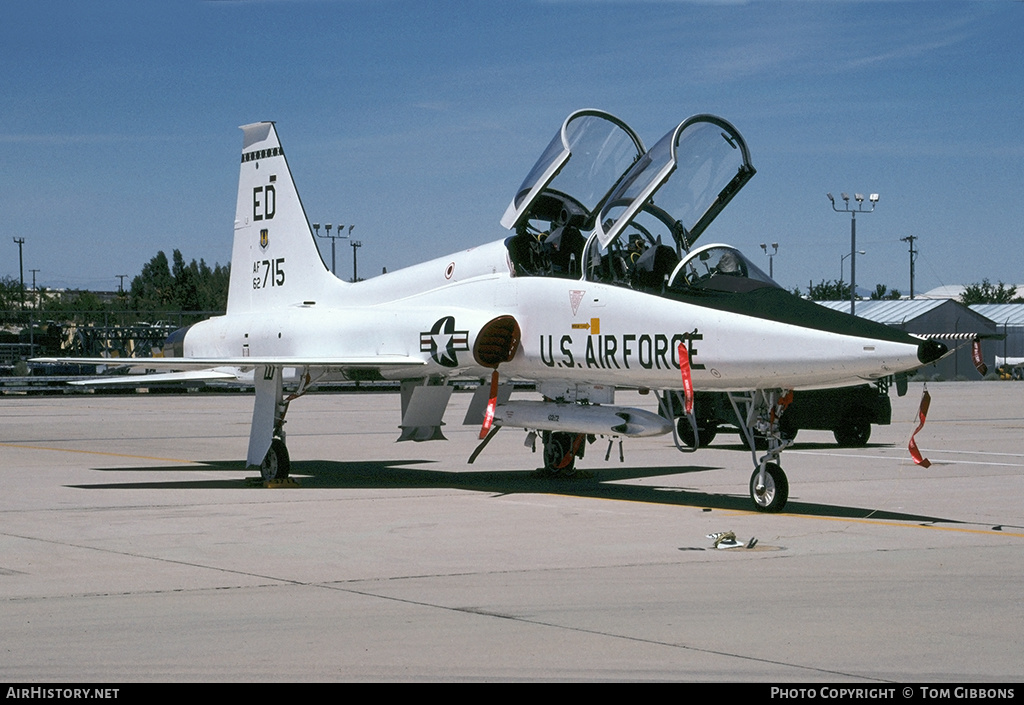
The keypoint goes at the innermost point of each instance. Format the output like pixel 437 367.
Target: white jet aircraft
pixel 599 288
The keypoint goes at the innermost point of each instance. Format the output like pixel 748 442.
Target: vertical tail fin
pixel 274 260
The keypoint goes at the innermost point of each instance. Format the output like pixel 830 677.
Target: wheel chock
pixel 271 484
pixel 278 484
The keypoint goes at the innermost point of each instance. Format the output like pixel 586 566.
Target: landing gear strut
pixel 267 449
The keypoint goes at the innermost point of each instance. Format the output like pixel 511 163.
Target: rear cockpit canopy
pixel 560 197
pixel 582 163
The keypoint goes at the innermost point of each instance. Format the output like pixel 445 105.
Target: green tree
pixel 213 286
pixel 10 294
pixel 153 288
pixel 986 293
pixel 186 285
pixel 881 293
pixel 829 291
pixel 176 286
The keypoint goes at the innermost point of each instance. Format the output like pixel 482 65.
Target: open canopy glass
pixel 708 163
pixel 580 165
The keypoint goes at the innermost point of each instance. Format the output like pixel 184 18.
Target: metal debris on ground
pixel 727 539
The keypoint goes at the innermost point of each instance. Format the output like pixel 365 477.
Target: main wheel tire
pixel 706 432
pixel 560 453
pixel 854 433
pixel 776 489
pixel 276 464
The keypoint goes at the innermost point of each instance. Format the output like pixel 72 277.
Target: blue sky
pixel 417 120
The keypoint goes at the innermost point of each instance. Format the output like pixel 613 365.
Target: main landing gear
pixel 267 449
pixel 561 450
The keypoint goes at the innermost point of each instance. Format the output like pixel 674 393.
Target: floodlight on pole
pixel 333 238
pixel 859 198
pixel 771 257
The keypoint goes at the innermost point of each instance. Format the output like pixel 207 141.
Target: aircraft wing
pixel 246 363
pixel 190 369
pixel 169 377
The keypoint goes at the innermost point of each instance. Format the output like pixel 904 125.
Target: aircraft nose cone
pixel 930 351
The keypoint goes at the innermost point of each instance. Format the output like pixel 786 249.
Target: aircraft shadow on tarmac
pixel 606 483
pixel 815 445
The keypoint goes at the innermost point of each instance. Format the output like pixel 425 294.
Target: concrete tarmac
pixel 131 549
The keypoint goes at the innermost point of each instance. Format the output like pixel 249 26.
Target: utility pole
pixel 35 292
pixel 120 284
pixel 20 241
pixel 913 256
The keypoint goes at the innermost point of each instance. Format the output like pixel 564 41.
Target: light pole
pixel 771 257
pixel 843 259
pixel 333 238
pixel 327 227
pixel 859 198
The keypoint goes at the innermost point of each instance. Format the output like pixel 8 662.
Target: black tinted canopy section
pixel 576 171
pixel 708 162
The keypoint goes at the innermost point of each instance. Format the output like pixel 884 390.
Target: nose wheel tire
pixel 773 496
pixel 276 464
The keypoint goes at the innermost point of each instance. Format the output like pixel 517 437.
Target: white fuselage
pixel 572 330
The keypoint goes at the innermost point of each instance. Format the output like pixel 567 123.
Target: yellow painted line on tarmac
pixel 960 529
pixel 96 452
pixel 880 522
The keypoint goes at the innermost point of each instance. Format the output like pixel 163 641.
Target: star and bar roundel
pixel 442 341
